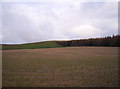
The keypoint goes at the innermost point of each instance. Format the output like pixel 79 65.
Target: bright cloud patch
pixel 85 31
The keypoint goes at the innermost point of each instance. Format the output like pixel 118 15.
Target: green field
pixel 55 67
pixel 46 44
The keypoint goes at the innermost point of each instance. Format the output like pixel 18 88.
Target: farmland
pixel 55 67
pixel 45 44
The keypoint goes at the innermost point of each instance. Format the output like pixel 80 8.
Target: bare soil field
pixel 60 67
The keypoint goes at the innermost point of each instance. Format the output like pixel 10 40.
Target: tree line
pixel 112 41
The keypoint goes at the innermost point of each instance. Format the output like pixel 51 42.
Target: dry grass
pixel 74 66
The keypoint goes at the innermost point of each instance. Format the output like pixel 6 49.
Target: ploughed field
pixel 55 67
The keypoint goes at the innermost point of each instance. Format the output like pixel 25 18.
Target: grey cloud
pixel 32 22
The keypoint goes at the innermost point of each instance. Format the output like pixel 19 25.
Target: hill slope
pixel 47 44
pixel 109 41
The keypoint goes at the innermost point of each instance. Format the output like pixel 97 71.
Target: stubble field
pixel 60 67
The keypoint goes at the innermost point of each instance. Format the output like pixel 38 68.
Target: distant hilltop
pixel 109 41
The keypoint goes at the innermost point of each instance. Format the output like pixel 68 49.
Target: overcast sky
pixel 42 21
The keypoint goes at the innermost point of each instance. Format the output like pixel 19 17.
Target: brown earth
pixel 55 67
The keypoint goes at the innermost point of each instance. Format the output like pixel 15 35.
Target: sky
pixel 27 22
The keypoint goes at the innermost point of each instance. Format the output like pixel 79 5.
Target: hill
pixel 109 41
pixel 46 44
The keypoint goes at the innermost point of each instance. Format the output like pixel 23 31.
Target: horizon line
pixel 59 40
